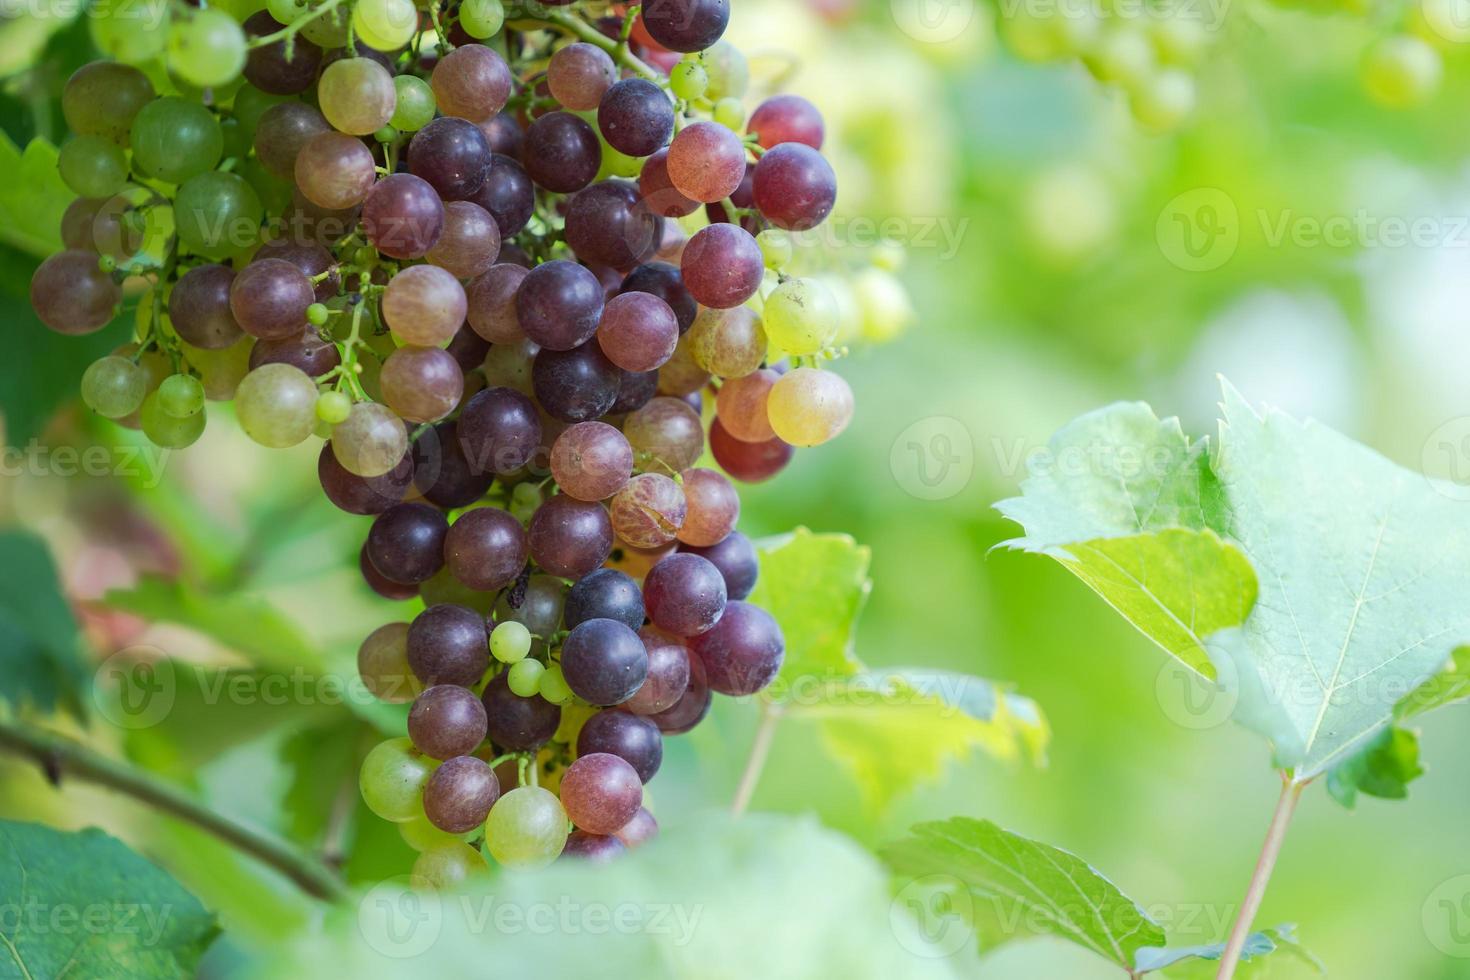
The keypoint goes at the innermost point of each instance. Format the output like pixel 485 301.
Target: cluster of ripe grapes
pixel 431 255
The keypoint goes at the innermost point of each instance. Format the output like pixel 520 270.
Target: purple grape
pixel 601 793
pixel 692 705
pixel 452 155
pixel 570 537
pixel 561 152
pixel 449 644
pixel 597 848
pixel 499 430
pixel 403 216
pixel 668 674
pixel 722 265
pixel 199 308
pixel 486 549
pixel 269 69
pixel 686 25
pixel 636 390
pixel 637 741
pixel 308 353
pixel 795 187
pixel 442 473
pixel 640 830
pixel 607 224
pixel 737 561
pixel 406 542
pixel 636 117
pixel 518 724
pixel 362 495
pixel 744 651
pixel 460 793
pixel 559 305
pixel 446 720
pixel 604 662
pixel 576 385
pixel 605 594
pixel 383 586
pixel 685 594
pixel 507 194
pixel 667 283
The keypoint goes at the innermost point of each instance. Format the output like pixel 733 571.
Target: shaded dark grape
pixel 787 119
pixel 636 390
pixel 648 512
pixel 605 594
pixel 607 225
pixel 199 308
pixel 471 82
pixel 97 225
pixel 635 117
pixel 507 194
pixel 591 461
pixel 380 584
pixel 269 69
pixel 491 303
pixel 312 259
pixel 795 187
pixel 748 462
pixel 406 542
pixel 442 473
pixel 692 705
pixel 686 25
pixel 583 845
pixel 503 134
pixel 667 283
pixel 737 561
pixel 362 495
pixel 742 196
pixel 403 216
pixel 309 353
pixel 604 662
pixel 575 385
pixel 685 594
pixel 281 133
pixel 658 192
pixel 449 645
pixel 744 650
pixel 72 296
pixel 540 609
pixel 460 793
pixel 641 829
pixel 570 537
pixel 486 549
pixel 518 724
pixel 561 152
pixel 269 298
pixel 499 430
pixel 468 349
pixel 452 155
pixel 722 266
pixel 637 741
pixel 446 720
pixel 307 222
pixel 559 305
pixel 668 674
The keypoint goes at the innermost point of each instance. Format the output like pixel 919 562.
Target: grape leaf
pixel 1382 768
pixel 39 643
pixel 696 902
pixel 815 585
pixel 1446 687
pixel 237 621
pixel 85 905
pixel 1359 571
pixel 1197 961
pixel 32 198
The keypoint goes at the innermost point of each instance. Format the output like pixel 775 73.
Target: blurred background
pixel 1045 206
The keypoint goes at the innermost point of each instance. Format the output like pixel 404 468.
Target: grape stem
pixel 293 28
pixel 580 29
pixel 1291 793
pixel 60 757
pixel 760 750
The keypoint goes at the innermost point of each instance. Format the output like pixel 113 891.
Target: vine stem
pixel 1291 794
pixel 60 757
pixel 571 24
pixel 292 29
pixel 760 749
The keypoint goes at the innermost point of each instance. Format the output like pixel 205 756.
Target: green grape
pixel 166 431
pixel 385 25
pixel 616 163
pixel 93 166
pixel 1180 39
pixel 287 11
pixel 217 214
pixel 103 98
pixel 524 678
pixel 1401 71
pixel 525 500
pixel 415 107
pixel 181 395
pixel 730 113
pixel 481 18
pixel 1122 56
pixel 174 139
pixel 775 248
pixel 250 104
pixel 273 191
pixel 371 442
pixel 689 80
pixel 421 835
pixel 356 95
pixel 386 135
pixel 883 304
pixel 446 865
pixel 132 31
pixel 276 405
pixel 527 828
pixel 114 387
pixel 808 407
pixel 392 780
pixel 553 686
pixel 801 316
pixel 316 314
pixel 1164 101
pixel 333 407
pixel 727 71
pixel 510 642
pixel 207 49
pixel 331 29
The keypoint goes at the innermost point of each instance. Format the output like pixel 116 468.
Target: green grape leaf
pixel 39 642
pixel 1358 564
pixel 1010 887
pixel 32 198
pixel 1446 687
pixel 237 621
pixel 929 718
pixel 1382 768
pixel 1197 961
pixel 697 901
pixel 815 585
pixel 87 906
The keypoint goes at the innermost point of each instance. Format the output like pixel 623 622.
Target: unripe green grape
pixel 775 248
pixel 317 314
pixel 217 213
pixel 801 316
pixel 93 166
pixel 331 29
pixel 333 407
pixel 729 343
pixel 524 678
pixel 553 686
pixel 421 835
pixel 730 113
pixel 276 405
pixel 884 307
pixel 1122 56
pixel 1033 38
pixel 357 94
pixel 1180 39
pixel 250 104
pixel 689 80
pixel 174 139
pixel 103 98
pixel 181 395
pixel 808 407
pixel 525 500
pixel 481 18
pixel 132 31
pixel 386 134
pixel 510 642
pixel 1401 71
pixel 114 387
pixel 371 442
pixel 446 865
pixel 206 49
pixel 385 25
pixel 1164 101
pixel 415 105
pixel 727 71
pixel 889 256
pixel 221 371
pixel 392 780
pixel 166 431
pixel 615 163
pixel 287 12
pixel 527 828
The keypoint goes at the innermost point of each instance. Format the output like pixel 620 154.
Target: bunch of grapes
pixel 467 271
